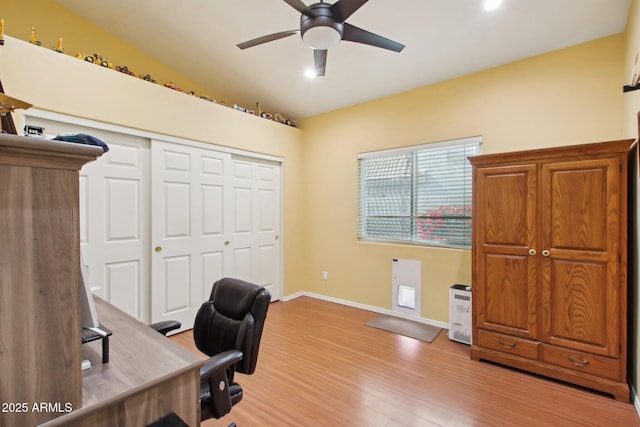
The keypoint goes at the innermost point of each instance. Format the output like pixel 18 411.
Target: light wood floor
pixel 320 366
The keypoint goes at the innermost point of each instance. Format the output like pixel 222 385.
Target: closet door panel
pixel 114 212
pixel 190 195
pixel 256 222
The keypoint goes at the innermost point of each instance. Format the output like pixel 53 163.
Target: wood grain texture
pixel 320 366
pixel 39 277
pixel 147 377
pixel 505 231
pixel 565 291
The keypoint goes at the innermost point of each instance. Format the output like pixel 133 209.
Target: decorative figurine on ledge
pixel 148 78
pixel 282 119
pixel 124 69
pixel 172 85
pixel 1 32
pixel 95 59
pixel 635 78
pixel 59 47
pixel 34 40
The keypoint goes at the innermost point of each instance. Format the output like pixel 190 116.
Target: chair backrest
pixel 233 319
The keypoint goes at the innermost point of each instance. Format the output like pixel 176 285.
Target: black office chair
pixel 228 329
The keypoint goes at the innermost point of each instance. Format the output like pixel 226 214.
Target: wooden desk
pixel 147 377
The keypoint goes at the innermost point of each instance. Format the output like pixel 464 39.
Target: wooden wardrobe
pixel 550 263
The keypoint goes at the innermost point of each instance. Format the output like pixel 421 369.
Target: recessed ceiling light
pixel 310 74
pixel 492 4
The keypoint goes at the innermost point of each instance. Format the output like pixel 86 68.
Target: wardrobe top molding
pixel 541 154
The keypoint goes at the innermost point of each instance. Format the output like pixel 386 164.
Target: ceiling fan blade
pixel 300 7
pixel 320 61
pixel 358 35
pixel 266 39
pixel 343 9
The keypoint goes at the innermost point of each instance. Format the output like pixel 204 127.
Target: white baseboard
pixel 366 307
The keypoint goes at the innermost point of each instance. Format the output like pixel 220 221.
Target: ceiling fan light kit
pixel 492 4
pixel 321 37
pixel 322 26
pixel 321 31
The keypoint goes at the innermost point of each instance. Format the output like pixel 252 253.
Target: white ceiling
pixel 443 38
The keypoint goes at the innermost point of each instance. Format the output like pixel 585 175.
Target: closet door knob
pixel 532 252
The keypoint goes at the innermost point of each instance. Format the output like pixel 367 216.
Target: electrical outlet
pixel 325 275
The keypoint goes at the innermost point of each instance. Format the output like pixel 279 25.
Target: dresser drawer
pixel 508 344
pixel 583 362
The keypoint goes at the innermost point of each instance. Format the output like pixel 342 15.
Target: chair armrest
pixel 219 363
pixel 215 397
pixel 165 326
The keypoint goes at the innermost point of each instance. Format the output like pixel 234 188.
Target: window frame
pixel 414 215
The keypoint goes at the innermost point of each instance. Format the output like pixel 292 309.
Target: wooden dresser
pixel 550 263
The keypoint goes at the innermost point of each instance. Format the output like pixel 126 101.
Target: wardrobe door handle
pixel 546 252
pixel 532 252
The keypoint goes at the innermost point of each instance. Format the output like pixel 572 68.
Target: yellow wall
pixel 631 111
pixel 52 21
pixel 565 97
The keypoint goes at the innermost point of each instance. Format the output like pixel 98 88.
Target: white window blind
pixel 418 195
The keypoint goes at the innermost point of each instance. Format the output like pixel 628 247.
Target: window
pixel 419 195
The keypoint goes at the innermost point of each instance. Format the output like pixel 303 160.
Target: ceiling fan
pixel 322 25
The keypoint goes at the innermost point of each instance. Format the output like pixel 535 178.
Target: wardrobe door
pixel 505 261
pixel 581 216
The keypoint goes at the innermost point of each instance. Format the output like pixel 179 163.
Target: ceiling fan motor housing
pixel 321 31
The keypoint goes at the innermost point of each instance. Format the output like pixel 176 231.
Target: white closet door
pixel 160 222
pixel 115 223
pixel 255 223
pixel 214 215
pixel 189 187
pixel 114 212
